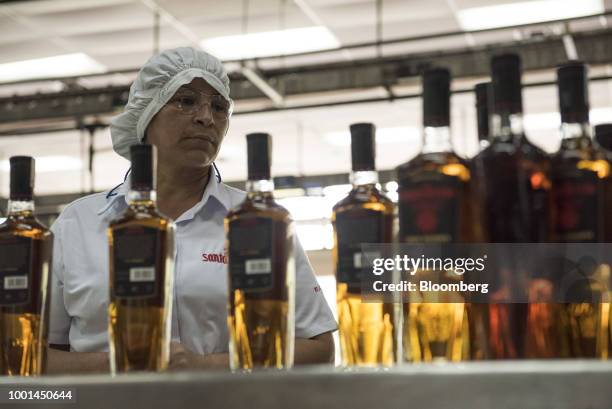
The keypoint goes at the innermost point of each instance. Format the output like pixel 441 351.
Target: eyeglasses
pixel 190 102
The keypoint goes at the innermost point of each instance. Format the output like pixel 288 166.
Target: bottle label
pixel 135 251
pixel 250 254
pixel 429 210
pixel 354 228
pixel 577 197
pixel 15 270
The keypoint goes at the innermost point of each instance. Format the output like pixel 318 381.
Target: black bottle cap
pixel 363 146
pixel 22 178
pixel 144 157
pixel 259 148
pixel 484 94
pixel 436 97
pixel 573 87
pixel 506 79
pixel 603 135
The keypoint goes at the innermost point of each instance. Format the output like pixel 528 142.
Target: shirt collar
pixel 214 189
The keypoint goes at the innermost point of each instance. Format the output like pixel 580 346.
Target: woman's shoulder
pixel 86 207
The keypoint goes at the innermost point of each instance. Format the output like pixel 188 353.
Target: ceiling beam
pixel 595 49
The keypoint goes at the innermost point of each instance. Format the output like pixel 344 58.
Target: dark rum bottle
pixel 141 275
pixel 513 182
pixel 261 267
pixel 580 174
pixel 25 274
pixel 435 207
pixel 366 329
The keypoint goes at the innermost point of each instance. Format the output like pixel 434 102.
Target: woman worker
pixel 180 103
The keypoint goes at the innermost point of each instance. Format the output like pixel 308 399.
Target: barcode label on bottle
pixel 260 266
pixel 142 274
pixel 15 270
pixel 16 283
pixel 353 230
pixel 251 254
pixel 134 256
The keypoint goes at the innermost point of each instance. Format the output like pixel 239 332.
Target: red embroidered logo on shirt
pixel 317 289
pixel 214 258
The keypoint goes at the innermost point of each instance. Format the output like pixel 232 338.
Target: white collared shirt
pixel 80 288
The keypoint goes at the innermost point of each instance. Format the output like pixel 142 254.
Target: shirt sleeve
pixel 59 323
pixel 312 314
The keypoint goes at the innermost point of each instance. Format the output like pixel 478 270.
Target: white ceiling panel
pixel 13 32
pixel 27 50
pixel 101 19
pixel 115 41
pixel 39 7
pixel 215 10
pixel 233 26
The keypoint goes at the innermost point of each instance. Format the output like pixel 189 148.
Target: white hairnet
pixel 156 83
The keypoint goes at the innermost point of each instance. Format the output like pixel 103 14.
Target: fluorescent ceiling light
pixel 383 135
pixel 525 12
pixel 58 66
pixel 271 43
pixel 46 164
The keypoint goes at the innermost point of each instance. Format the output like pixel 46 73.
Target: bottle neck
pixel 261 187
pixel 507 127
pixel 363 178
pixel 436 139
pixel 575 135
pixel 20 207
pixel 142 197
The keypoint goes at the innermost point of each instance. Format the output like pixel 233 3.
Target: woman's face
pixel 189 129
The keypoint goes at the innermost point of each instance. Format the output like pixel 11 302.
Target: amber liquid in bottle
pixel 581 171
pixel 25 263
pixel 141 243
pixel 366 328
pixel 261 267
pixel 435 207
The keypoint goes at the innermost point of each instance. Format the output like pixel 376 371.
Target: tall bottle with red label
pixel 580 174
pixel 141 276
pixel 261 270
pixel 366 329
pixel 435 207
pixel 25 276
pixel 513 181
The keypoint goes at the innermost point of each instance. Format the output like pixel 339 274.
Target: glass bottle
pixel 141 244
pixel 261 267
pixel 580 174
pixel 435 207
pixel 26 248
pixel 513 180
pixel 366 329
